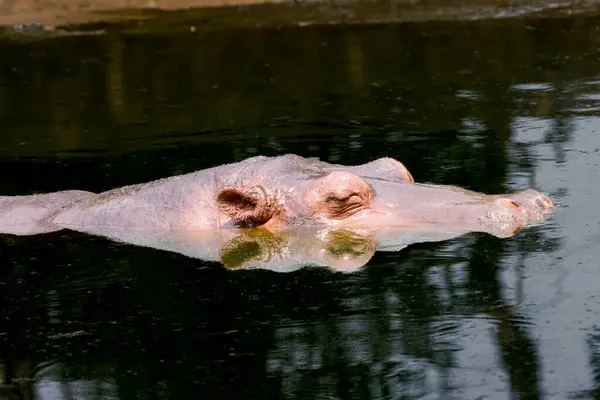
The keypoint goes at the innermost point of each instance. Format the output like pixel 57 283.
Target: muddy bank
pixel 39 17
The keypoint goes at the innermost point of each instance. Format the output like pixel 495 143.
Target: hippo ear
pixel 248 206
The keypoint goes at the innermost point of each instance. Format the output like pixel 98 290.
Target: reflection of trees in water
pixel 516 348
pixel 385 344
pixel 85 93
pixel 148 326
pixel 593 344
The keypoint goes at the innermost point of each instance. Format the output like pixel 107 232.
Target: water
pixel 490 106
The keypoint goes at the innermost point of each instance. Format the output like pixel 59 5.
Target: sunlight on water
pixel 537 87
pixel 51 388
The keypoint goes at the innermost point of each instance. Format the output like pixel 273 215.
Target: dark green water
pixel 491 106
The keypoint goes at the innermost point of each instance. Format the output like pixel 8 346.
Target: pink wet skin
pixel 277 193
pixel 343 199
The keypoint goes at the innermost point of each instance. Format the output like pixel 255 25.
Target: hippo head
pixel 337 197
pixel 382 194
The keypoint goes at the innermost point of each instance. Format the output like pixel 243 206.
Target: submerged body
pixel 277 193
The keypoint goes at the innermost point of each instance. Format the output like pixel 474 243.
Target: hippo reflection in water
pixel 378 200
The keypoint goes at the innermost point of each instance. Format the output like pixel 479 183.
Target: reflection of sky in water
pixel 467 94
pixel 52 388
pixel 537 87
pixel 561 287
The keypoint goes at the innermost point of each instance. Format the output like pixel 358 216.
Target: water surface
pixel 491 106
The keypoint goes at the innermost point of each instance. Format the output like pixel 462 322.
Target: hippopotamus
pixel 275 194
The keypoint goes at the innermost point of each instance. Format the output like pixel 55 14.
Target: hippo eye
pixel 341 194
pixel 340 206
pixel 343 198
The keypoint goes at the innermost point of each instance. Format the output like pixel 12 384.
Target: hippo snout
pixel 542 201
pixel 527 205
pixel 533 201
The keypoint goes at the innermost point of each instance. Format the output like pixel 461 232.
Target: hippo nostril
pixel 514 204
pixel 509 203
pixel 544 202
pixel 540 203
